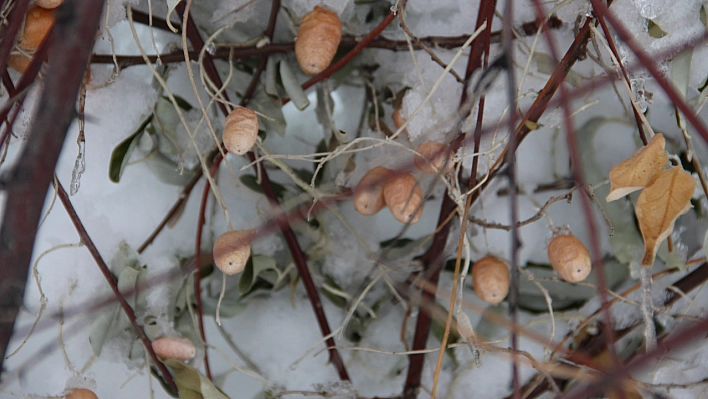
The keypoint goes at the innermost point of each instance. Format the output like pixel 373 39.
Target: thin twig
pixel 284 224
pixel 578 175
pixel 419 43
pixel 432 258
pixel 483 223
pixel 27 183
pixel 112 282
pixel 351 54
pixel 615 53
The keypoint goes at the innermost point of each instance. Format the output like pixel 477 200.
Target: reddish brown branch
pixel 432 258
pixel 351 54
pixel 27 183
pixel 112 282
pixel 295 249
pixel 198 261
pixel 651 66
pixel 17 94
pixel 224 53
pixel 578 175
pixel 183 196
pixel 675 341
pixel 623 70
pixel 15 21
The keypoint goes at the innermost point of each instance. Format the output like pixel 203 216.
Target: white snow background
pixel 277 329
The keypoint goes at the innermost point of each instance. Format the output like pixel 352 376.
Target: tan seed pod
pixel 435 157
pixel 38 22
pixel 569 258
pixel 48 3
pixel 240 130
pixel 19 62
pixel 317 40
pixel 490 277
pixel 81 393
pixel 174 348
pixel 368 193
pixel 404 197
pixel 232 250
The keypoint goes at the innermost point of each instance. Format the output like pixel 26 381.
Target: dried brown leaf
pixel 658 206
pixel 639 170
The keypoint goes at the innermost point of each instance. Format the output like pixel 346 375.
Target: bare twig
pixel 26 184
pixel 284 224
pixel 351 54
pixel 419 43
pixel 567 196
pixel 112 282
pixel 578 175
pixel 432 258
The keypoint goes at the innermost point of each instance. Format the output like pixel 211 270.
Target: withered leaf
pixel 658 206
pixel 639 170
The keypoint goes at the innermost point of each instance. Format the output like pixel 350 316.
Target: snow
pixel 276 330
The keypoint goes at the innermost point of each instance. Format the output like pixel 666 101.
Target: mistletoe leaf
pixel 191 383
pixel 639 170
pixel 257 265
pixel 292 86
pixel 121 154
pixel 658 206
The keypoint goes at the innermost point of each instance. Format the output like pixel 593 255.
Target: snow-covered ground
pixel 275 331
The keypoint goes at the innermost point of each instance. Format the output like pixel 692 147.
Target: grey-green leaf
pixel 231 305
pixel 101 327
pixel 271 77
pixel 292 87
pixel 254 268
pixel 192 384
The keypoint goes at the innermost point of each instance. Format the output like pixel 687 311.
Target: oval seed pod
pixel 19 62
pixel 404 197
pixel 174 348
pixel 435 157
pixel 569 258
pixel 81 393
pixel 231 250
pixel 38 22
pixel 368 193
pixel 317 40
pixel 48 3
pixel 240 130
pixel 490 277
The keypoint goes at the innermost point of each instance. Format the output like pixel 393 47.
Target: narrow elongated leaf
pixel 121 154
pixel 271 78
pixel 658 206
pixel 639 170
pixel 101 329
pixel 292 86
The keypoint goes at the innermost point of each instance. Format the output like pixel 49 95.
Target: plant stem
pixel 112 281
pixel 27 183
pixel 651 66
pixel 295 249
pixel 647 309
pixel 351 54
pixel 432 259
pixel 578 176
